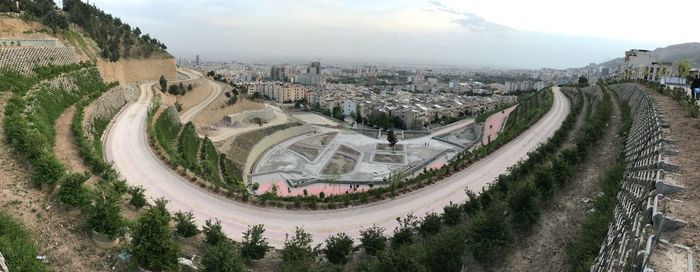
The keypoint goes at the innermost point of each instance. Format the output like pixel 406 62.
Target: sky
pixel 493 33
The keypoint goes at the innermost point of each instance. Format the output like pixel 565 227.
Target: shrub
pixel 430 225
pixel 338 248
pixel 138 198
pixel 72 191
pixel 184 224
pixel 254 245
pixel 105 214
pixel 213 234
pixel 223 257
pixel 152 246
pixel 298 255
pixel 373 239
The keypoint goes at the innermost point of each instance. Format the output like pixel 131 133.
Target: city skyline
pixel 439 32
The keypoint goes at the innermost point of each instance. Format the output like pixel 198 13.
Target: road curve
pixel 126 146
pixel 191 113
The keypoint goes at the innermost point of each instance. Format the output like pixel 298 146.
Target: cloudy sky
pixel 496 33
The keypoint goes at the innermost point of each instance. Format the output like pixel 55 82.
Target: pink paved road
pixel 127 148
pixel 493 125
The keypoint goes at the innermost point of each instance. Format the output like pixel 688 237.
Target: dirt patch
pixel 389 158
pixel 58 236
pixel 132 70
pixel 544 247
pixel 387 147
pixel 16 28
pixel 310 153
pixel 200 91
pixel 319 140
pixel 216 111
pixel 65 148
pixel 683 130
pixel 342 162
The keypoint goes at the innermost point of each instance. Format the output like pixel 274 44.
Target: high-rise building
pixel 197 61
pixel 315 68
pixel 278 73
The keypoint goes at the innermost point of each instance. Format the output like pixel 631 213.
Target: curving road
pixel 127 148
pixel 191 113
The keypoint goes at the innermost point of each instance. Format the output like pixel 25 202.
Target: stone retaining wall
pixel 643 203
pixel 108 105
pixel 25 59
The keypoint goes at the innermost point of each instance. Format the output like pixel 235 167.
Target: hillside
pixel 671 53
pixel 120 52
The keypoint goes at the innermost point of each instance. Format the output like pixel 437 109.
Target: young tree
pixel 582 81
pixel 72 191
pixel 392 139
pixel 522 201
pixel 184 224
pixel 373 239
pixel 152 246
pixel 105 214
pixel 338 248
pixel 451 214
pixel 163 83
pixel 254 244
pixel 683 68
pixel 298 254
pixel 138 198
pixel 222 257
pixel 213 234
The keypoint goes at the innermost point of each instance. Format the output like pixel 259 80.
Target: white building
pixel 349 107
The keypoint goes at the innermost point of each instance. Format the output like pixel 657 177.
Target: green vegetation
pixel 582 251
pixel 254 245
pixel 17 248
pixel 184 224
pixel 209 160
pixel 153 246
pixel 298 253
pixel 115 38
pixel 223 257
pixel 167 129
pixel 73 192
pixel 188 148
pixel 105 214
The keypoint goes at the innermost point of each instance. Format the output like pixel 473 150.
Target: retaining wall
pixel 108 105
pixel 24 59
pixel 642 210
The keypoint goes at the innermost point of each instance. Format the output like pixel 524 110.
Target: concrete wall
pixel 132 70
pixel 270 141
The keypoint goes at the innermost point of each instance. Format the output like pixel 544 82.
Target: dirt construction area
pixel 347 156
pixel 315 119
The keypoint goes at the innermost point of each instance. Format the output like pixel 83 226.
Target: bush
pixel 213 234
pixel 430 225
pixel 338 248
pixel 254 245
pixel 373 239
pixel 152 246
pixel 222 257
pixel 105 214
pixel 72 191
pixel 138 198
pixel 184 224
pixel 298 255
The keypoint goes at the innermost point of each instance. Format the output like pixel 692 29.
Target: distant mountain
pixel 672 53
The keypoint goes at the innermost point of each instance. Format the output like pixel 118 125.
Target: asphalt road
pixel 127 148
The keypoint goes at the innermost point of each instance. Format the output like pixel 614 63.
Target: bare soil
pixel 684 130
pixel 544 247
pixel 307 152
pixel 216 111
pixel 200 91
pixel 56 235
pixel 389 158
pixel 339 164
pixel 387 147
pixel 65 148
